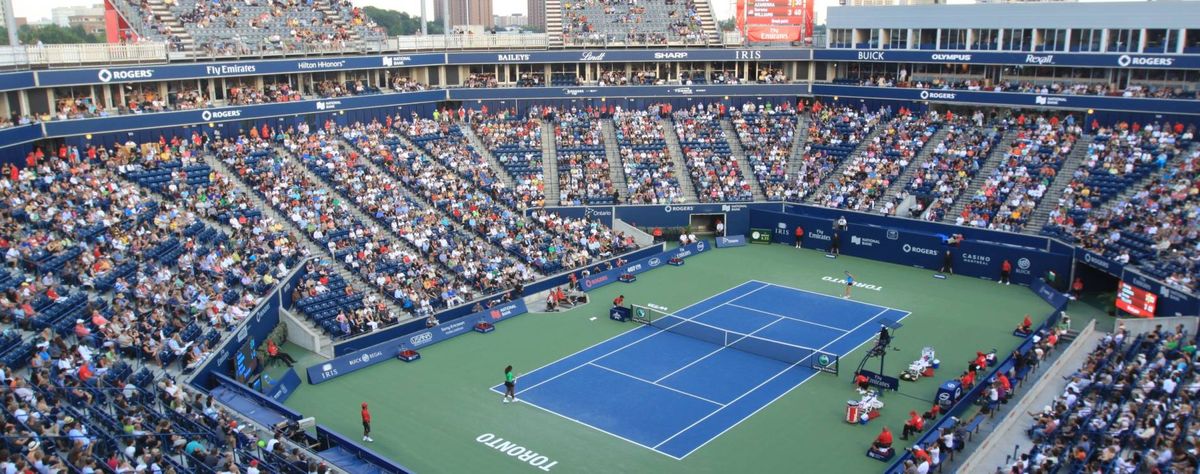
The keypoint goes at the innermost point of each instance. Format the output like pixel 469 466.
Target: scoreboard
pixel 1136 301
pixel 770 21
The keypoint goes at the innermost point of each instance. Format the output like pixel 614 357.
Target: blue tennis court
pixel 677 384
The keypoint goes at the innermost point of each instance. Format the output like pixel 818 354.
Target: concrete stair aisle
pixel 326 8
pixel 164 14
pixel 815 193
pixel 901 183
pixel 353 206
pixel 325 340
pixel 799 142
pixel 708 22
pixel 735 146
pixel 379 171
pixel 313 249
pixel 998 155
pixel 484 152
pixel 549 164
pixel 554 27
pixel 1156 174
pixel 408 143
pixel 616 171
pixel 1041 213
pixel 676 151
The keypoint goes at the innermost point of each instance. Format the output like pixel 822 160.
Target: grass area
pixel 428 414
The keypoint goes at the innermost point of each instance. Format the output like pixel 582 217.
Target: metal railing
pixel 461 42
pixel 65 55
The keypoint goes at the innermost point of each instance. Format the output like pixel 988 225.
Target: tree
pixel 726 25
pixel 400 23
pixel 50 34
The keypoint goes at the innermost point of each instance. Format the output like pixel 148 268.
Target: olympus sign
pixel 106 75
pixel 950 57
pixel 913 249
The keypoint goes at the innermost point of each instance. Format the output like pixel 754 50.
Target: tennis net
pixel 778 350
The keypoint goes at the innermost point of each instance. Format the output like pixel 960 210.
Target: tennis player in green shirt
pixel 510 384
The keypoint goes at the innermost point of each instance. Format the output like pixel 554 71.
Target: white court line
pixel 656 384
pixel 622 438
pixel 805 321
pixel 790 390
pixel 659 331
pixel 838 298
pixel 719 349
pixel 773 377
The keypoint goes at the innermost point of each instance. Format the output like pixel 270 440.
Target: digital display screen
pixel 1136 301
pixel 245 362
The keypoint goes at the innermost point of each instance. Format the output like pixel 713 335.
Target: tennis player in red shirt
pixel 366 419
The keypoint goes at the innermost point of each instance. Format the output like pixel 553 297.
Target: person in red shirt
pixel 85 372
pixel 914 425
pixel 883 442
pixel 980 361
pixel 933 412
pixel 1026 326
pixel 799 237
pixel 968 380
pixel 619 301
pixel 1005 270
pixel 1077 287
pixel 862 382
pixel 366 419
pixel 274 353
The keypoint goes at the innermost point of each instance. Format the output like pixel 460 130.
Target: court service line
pixel 790 390
pixel 656 384
pixel 802 290
pixel 773 377
pixel 719 349
pixel 657 332
pixel 805 321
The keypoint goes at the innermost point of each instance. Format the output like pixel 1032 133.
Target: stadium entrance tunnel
pixel 705 223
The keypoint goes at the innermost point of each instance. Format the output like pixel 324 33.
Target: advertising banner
pixel 1015 99
pixel 285 386
pixel 901 245
pixel 760 236
pixel 163 72
pixel 1052 296
pixel 359 360
pixel 635 267
pixel 596 92
pixel 731 241
pixel 1099 262
pixel 1111 60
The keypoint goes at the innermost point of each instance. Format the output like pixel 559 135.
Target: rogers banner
pixel 771 21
